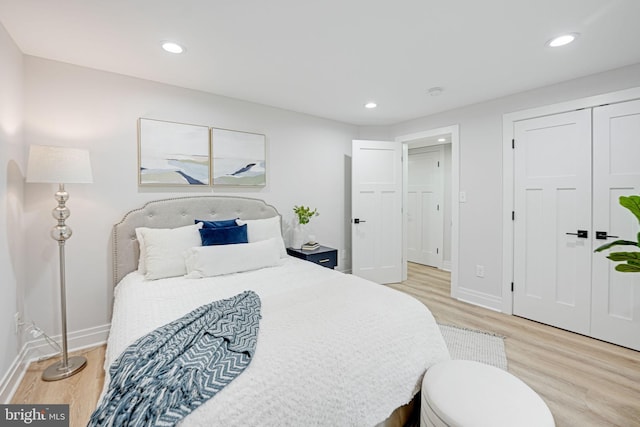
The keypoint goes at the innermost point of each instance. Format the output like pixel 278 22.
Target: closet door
pixel 552 194
pixel 616 172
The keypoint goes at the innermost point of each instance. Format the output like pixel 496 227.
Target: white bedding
pixel 333 349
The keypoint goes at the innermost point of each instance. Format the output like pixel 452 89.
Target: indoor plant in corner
pixel 630 260
pixel 303 215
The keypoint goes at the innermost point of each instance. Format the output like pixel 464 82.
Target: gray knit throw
pixel 165 375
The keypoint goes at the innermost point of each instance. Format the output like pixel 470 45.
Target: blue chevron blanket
pixel 167 374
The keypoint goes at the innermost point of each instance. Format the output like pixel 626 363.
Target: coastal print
pixel 238 158
pixel 173 153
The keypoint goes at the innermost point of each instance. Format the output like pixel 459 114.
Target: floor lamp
pixel 60 165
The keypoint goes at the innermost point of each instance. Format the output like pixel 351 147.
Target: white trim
pixel 12 378
pixel 454 130
pixel 481 299
pixel 405 181
pixel 507 221
pixel 38 349
pixel 446 265
pixel 508 121
pixel 576 104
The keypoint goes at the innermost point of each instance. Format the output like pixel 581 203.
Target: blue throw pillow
pixel 217 224
pixel 224 235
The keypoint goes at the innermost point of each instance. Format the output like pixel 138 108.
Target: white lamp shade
pixel 59 165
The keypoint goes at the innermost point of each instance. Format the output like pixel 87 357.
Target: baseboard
pixel 446 265
pixel 12 378
pixel 39 349
pixel 479 298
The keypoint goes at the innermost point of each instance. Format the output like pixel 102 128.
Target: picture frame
pixel 173 154
pixel 239 158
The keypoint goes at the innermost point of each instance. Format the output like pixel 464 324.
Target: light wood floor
pixel 80 391
pixel 585 382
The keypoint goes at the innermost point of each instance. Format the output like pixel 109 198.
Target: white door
pixel 616 172
pixel 376 208
pixel 552 198
pixel 425 233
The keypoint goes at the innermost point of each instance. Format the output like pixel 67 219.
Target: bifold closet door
pixel 616 172
pixel 552 200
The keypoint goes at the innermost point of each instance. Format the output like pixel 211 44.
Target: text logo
pixel 34 415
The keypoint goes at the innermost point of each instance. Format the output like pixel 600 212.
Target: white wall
pixel 74 106
pixel 375 133
pixel 481 171
pixel 11 200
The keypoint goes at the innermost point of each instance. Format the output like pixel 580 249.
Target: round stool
pixel 462 393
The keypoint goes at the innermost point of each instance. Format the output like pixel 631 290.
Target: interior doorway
pixel 447 139
pixel 428 209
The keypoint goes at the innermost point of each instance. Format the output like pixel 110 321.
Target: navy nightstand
pixel 324 256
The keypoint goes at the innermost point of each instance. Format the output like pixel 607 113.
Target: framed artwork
pixel 173 153
pixel 239 158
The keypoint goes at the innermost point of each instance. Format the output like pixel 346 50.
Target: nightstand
pixel 324 256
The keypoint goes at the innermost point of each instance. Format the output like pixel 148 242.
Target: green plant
pixel 305 213
pixel 631 260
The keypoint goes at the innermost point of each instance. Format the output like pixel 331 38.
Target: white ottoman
pixel 462 393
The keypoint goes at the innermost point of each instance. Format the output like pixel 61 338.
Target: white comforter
pixel 333 349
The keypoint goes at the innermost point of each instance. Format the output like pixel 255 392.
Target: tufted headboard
pixel 176 212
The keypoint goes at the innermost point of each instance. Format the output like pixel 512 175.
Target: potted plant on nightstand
pixel 303 216
pixel 630 260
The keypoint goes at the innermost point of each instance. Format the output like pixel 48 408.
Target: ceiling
pixel 328 58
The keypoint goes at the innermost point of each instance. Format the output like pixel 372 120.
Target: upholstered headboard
pixel 176 212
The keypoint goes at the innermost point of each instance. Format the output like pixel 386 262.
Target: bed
pixel 333 349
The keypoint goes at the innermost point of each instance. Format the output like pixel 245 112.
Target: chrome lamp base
pixel 58 371
pixel 68 366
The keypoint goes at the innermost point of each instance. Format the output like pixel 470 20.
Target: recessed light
pixel 435 91
pixel 172 47
pixel 562 40
pixel 370 105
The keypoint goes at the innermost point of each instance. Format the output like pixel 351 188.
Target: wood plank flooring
pixel 80 391
pixel 584 381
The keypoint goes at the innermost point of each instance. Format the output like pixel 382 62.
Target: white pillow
pixel 142 267
pixel 162 249
pixel 208 261
pixel 263 229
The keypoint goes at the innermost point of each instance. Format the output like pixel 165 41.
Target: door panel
pixel 552 198
pixel 377 204
pixel 567 287
pixel 616 172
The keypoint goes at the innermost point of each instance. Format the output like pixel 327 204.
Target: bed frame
pixel 177 212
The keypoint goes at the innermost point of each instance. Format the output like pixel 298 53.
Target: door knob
pixel 602 235
pixel 583 234
pixel 358 220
